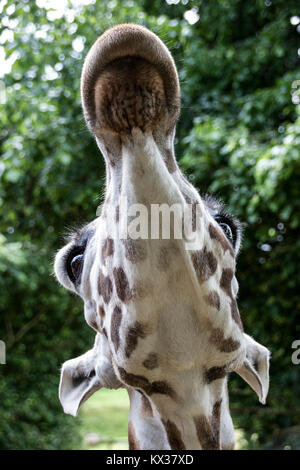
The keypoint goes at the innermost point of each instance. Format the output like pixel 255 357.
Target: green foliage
pixel 238 136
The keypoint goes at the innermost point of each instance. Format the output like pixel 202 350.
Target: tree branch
pixel 22 331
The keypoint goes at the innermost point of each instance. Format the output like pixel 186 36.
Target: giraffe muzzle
pixel 129 79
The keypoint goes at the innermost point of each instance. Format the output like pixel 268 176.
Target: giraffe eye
pixel 228 227
pixel 75 263
pixel 227 231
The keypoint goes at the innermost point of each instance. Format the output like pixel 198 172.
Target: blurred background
pixel 238 137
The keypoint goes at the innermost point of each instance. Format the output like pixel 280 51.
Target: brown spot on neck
pixel 226 279
pixel 133 333
pixel 105 287
pixel 205 263
pixel 101 312
pixel 206 433
pixel 213 299
pixel 223 344
pixel 122 285
pixel 108 248
pixel 174 435
pixel 208 430
pixel 151 362
pixel 115 323
pixel 215 373
pixel 216 420
pixel 142 383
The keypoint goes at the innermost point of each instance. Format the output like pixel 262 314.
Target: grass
pixel 106 414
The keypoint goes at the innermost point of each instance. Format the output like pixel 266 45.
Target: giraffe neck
pixel 162 150
pixel 141 175
pixel 147 431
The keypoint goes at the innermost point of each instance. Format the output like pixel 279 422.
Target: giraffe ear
pixel 78 381
pixel 255 368
pixel 82 376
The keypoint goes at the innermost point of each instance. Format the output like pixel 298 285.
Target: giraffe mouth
pixel 129 80
pixel 129 93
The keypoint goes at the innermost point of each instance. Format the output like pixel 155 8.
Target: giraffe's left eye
pixel 227 228
pixel 74 264
pixel 227 231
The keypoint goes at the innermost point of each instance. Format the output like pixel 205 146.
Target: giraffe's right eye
pixel 228 226
pixel 74 264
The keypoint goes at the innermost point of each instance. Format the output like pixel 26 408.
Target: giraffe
pixel 164 309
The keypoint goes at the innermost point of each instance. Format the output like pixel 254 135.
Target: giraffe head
pixel 161 299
